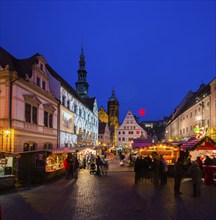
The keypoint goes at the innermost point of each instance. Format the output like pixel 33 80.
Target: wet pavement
pixel 114 196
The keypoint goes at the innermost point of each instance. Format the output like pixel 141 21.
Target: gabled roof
pixel 21 66
pixel 90 102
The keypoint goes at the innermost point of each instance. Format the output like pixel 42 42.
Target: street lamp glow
pixel 199 118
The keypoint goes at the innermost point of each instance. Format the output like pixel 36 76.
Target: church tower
pixel 113 115
pixel 81 84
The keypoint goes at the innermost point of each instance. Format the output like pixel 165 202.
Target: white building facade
pixel 196 113
pixel 28 109
pixel 129 130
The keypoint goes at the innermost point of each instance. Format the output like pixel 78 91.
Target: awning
pixel 143 143
pixel 205 143
pixel 190 143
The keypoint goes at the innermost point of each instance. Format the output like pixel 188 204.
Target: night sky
pixel 151 52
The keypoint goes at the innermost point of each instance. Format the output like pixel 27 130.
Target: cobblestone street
pixel 108 197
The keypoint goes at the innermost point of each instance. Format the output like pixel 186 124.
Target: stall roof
pixel 190 143
pixel 143 143
pixel 193 143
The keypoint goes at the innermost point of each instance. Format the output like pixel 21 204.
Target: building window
pixel 48 119
pixel 119 139
pixel 191 114
pixel 68 104
pixel 63 100
pixel 123 132
pixel 47 146
pixel 34 115
pixel 123 139
pixel 41 67
pixel 80 112
pixel 75 129
pixel 119 132
pixel 45 118
pixel 43 85
pixel 38 81
pixel 29 146
pixel 75 108
pixel 30 113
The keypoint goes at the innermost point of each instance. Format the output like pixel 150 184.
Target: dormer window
pixel 38 81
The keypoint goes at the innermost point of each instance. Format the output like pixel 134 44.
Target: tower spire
pixel 81 84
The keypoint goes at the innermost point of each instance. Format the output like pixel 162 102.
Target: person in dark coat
pixel 178 174
pixel 156 165
pixel 196 175
pixel 99 164
pixel 138 169
pixel 76 167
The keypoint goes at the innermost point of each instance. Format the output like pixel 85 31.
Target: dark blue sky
pixel 151 52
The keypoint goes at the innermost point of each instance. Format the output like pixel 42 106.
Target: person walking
pixel 196 174
pixel 178 174
pixel 163 170
pixel 156 170
pixel 99 163
pixel 137 169
pixel 76 167
pixel 67 167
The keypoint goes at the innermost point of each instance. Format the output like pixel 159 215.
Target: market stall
pixel 7 177
pixel 200 147
pixel 169 152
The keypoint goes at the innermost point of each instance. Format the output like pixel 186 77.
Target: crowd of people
pixel 96 164
pixel 151 169
pixel 155 170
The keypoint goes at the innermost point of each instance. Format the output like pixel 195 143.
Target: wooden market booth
pixel 145 147
pixel 202 148
pixel 169 152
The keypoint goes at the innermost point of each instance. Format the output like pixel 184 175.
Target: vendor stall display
pixel 169 152
pixel 6 165
pixel 200 147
